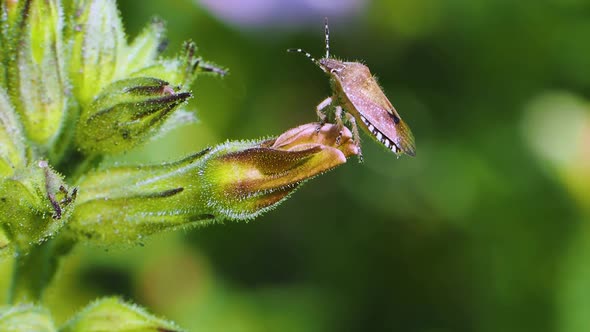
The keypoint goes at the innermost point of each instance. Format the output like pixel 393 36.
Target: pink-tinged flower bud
pixel 241 182
pixel 235 180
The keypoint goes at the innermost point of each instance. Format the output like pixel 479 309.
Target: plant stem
pixel 34 269
pixel 75 164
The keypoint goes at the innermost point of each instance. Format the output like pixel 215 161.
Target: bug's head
pixel 331 66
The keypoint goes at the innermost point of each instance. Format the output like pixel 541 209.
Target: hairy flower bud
pixel 145 48
pixel 112 314
pixel 12 146
pixel 183 69
pixel 126 113
pixel 34 205
pixel 241 182
pixel 97 48
pixel 37 82
pixel 236 180
pixel 26 318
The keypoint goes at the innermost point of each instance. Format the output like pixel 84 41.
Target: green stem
pixel 84 166
pixel 75 164
pixel 33 270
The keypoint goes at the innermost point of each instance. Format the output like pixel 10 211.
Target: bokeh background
pixel 486 229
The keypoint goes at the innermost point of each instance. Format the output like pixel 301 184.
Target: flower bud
pixel 98 43
pixel 37 82
pixel 145 48
pixel 25 318
pixel 12 147
pixel 183 69
pixel 241 182
pixel 34 205
pixel 112 314
pixel 236 180
pixel 126 113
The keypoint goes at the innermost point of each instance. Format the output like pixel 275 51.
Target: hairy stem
pixel 34 270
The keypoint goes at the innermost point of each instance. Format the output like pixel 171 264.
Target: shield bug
pixel 356 92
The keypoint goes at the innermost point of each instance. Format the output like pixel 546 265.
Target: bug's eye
pixel 334 70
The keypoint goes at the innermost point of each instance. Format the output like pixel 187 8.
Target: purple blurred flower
pixel 280 12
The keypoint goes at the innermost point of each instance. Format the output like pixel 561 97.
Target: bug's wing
pixel 370 101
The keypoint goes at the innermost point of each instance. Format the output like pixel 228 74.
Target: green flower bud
pixel 11 19
pixel 98 45
pixel 12 147
pixel 146 47
pixel 36 77
pixel 236 180
pixel 183 69
pixel 11 13
pixel 34 205
pixel 25 318
pixel 126 113
pixel 114 315
pixel 124 204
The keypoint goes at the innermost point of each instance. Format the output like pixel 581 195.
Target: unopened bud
pixel 34 205
pixel 145 48
pixel 37 83
pixel 112 314
pixel 235 180
pixel 12 147
pixel 126 113
pixel 183 69
pixel 97 49
pixel 26 318
pixel 244 182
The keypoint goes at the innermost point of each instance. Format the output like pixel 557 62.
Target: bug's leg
pixel 55 204
pixel 355 133
pixel 339 123
pixel 320 108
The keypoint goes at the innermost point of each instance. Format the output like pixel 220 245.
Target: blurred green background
pixel 486 229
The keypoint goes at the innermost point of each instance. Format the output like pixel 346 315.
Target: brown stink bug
pixel 357 92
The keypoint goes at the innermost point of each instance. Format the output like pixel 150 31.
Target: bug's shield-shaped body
pixel 357 91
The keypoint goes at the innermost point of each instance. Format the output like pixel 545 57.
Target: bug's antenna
pixel 307 55
pixel 327 32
